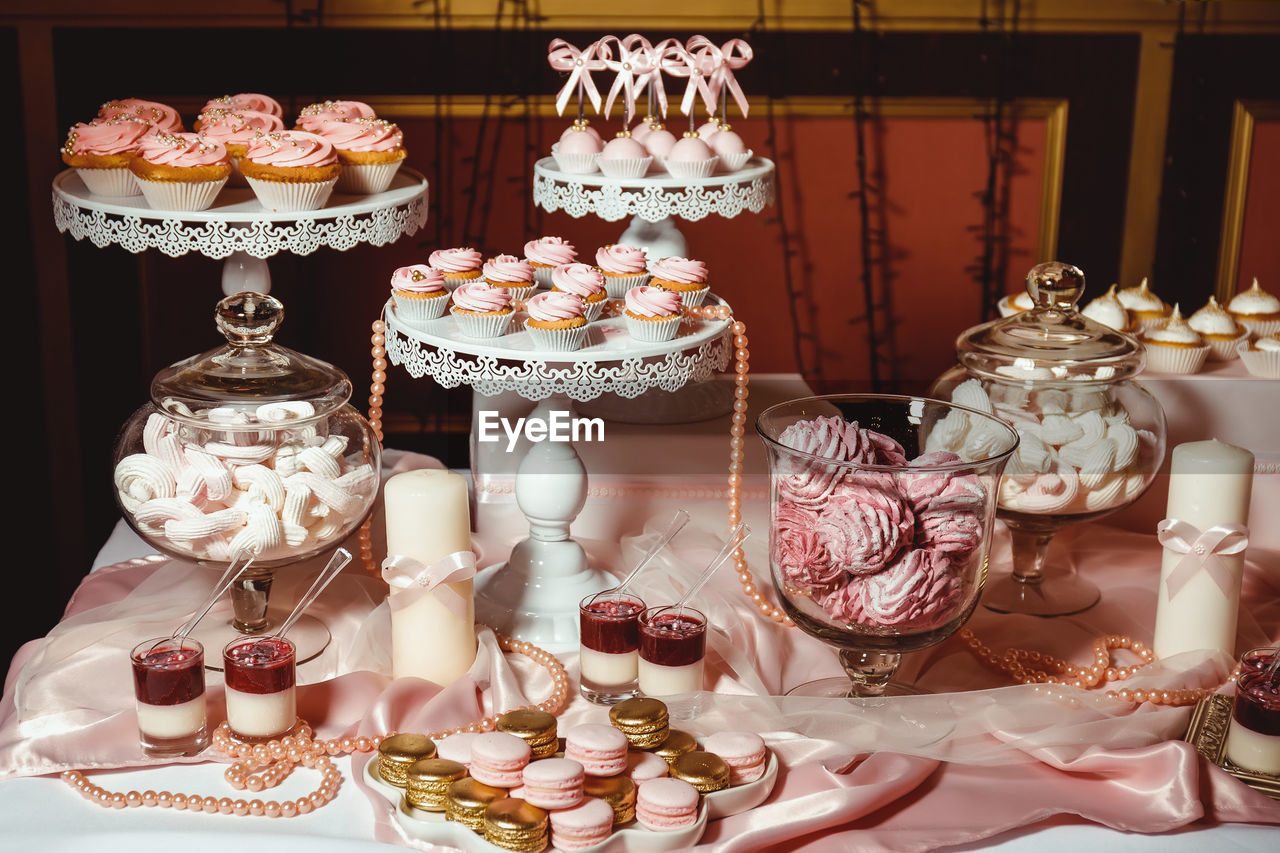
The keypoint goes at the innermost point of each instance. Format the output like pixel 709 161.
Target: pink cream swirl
pixel 863 526
pixel 418 278
pixel 508 268
pixel 291 148
pixel 811 481
pixel 313 115
pixel 162 116
pixel 917 591
pixel 455 260
pixel 550 251
pixel 362 134
pixel 552 305
pixel 582 279
pixel 799 551
pixel 109 137
pixel 482 298
pixel 683 270
pixel 245 101
pixel 621 259
pixel 646 301
pixel 239 127
pixel 181 149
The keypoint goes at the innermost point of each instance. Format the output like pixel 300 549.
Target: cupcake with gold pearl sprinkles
pixel 313 115
pixel 180 171
pixel 160 116
pixel 547 253
pixel 1175 347
pixel 236 129
pixel 557 321
pixel 245 101
pixel 370 151
pixel 1256 310
pixel 101 152
pixel 418 294
pixel 291 170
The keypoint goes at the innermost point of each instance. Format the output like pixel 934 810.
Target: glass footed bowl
pixel 876 547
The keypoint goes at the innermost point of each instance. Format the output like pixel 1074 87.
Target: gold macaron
pixel 397 752
pixel 466 800
pixel 534 727
pixel 513 824
pixel 677 744
pixel 644 721
pixel 427 782
pixel 618 791
pixel 705 771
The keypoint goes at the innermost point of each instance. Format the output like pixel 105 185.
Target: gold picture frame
pixel 1245 114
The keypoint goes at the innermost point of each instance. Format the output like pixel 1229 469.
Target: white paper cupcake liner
pixel 618 285
pixel 419 309
pixel 692 171
pixel 180 195
pixel 1183 360
pixel 542 275
pixel 556 340
pixel 577 164
pixel 366 178
pixel 517 292
pixel 631 167
pixel 1259 362
pixel 594 309
pixel 1224 350
pixel 734 162
pixel 1259 328
pixel 110 182
pixel 1146 324
pixel 292 196
pixel 653 331
pixel 452 284
pixel 482 325
pixel 693 298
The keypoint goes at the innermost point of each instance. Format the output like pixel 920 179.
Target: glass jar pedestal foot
pixel 868 674
pixel 1034 588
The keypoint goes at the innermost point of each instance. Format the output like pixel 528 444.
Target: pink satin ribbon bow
pixel 634 64
pixel 406 573
pixel 1202 550
pixel 733 54
pixel 679 62
pixel 563 56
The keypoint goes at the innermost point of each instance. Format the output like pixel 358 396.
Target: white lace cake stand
pixel 237 229
pixel 534 595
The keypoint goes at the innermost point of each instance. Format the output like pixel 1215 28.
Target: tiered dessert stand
pixel 237 229
pixel 534 595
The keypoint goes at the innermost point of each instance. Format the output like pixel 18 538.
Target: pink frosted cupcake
pixel 370 150
pixel 653 314
pixel 245 101
pixel 236 130
pixel 684 276
pixel 419 294
pixel 458 266
pixel 100 153
pixel 623 267
pixel 291 170
pixel 180 171
pixel 587 282
pixel 547 253
pixel 482 311
pixel 511 274
pixel 160 116
pixel 557 321
pixel 313 115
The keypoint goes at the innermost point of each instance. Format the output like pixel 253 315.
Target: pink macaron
pixel 666 804
pixel 600 749
pixel 553 783
pixel 643 766
pixel 585 825
pixel 499 759
pixel 456 747
pixel 744 752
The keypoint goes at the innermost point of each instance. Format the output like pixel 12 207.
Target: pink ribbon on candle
pixel 679 62
pixel 563 56
pixel 1202 550
pixel 417 580
pixel 733 54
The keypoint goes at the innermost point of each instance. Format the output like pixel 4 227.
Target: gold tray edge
pixel 1207 732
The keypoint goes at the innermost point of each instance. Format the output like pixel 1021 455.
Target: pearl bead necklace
pixel 259 766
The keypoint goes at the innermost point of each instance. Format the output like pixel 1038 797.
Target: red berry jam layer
pixel 260 666
pixel 169 677
pixel 672 639
pixel 611 626
pixel 1257 704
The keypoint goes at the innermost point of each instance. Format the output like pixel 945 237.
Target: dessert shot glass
pixel 673 643
pixel 168 684
pixel 1253 738
pixel 261 674
pixel 1257 660
pixel 609 627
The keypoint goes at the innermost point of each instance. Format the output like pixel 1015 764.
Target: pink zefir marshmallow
pixel 583 279
pixel 643 766
pixel 245 101
pixel 508 269
pixel 457 747
pixel 481 298
pixel 647 301
pixel 799 550
pixel 864 525
pixel 418 278
pixel 119 136
pixel 237 128
pixel 313 114
pixel 552 305
pixel 917 591
pixel 499 759
pixel 585 825
pixel 290 148
pixel 553 783
pixel 666 804
pixel 455 260
pixel 744 752
pixel 600 749
pixel 550 252
pixel 181 149
pixel 621 259
pixel 160 116
pixel 811 482
pixel 682 270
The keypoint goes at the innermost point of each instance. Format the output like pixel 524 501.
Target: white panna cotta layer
pixel 659 680
pixel 1253 750
pixel 172 721
pixel 261 714
pixel 609 670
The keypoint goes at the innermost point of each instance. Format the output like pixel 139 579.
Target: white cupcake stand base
pixel 534 595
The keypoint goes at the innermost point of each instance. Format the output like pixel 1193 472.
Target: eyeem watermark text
pixel 559 426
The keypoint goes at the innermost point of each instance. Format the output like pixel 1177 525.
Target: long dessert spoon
pixel 678 521
pixel 336 564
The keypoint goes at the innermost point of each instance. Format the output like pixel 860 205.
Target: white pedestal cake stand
pixel 534 595
pixel 237 229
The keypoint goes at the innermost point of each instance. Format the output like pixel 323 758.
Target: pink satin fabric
pixel 976 759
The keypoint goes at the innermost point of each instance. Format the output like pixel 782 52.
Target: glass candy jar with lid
pixel 248 450
pixel 1091 437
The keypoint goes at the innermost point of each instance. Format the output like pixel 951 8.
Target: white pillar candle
pixel 1209 484
pixel 427 518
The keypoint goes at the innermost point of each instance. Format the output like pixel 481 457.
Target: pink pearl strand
pixel 260 766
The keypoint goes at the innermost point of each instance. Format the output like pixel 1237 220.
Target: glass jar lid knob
pixel 248 318
pixel 1055 285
